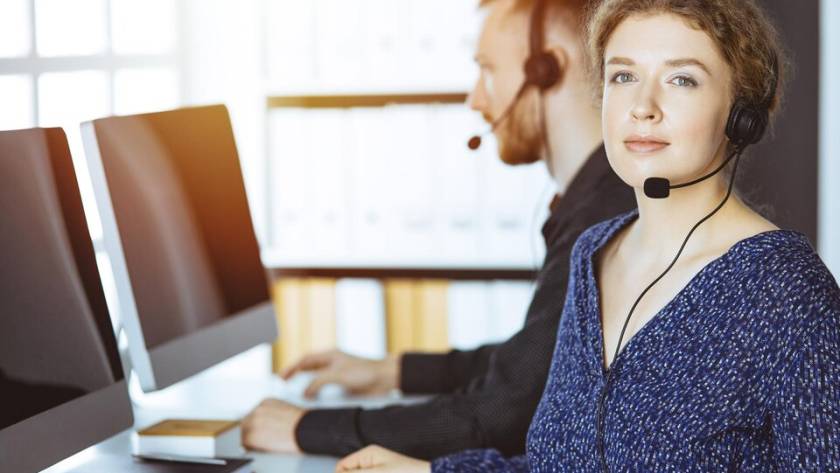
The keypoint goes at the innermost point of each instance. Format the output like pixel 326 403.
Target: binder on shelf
pixel 416 315
pixel 360 317
pixel 306 315
pixel 470 315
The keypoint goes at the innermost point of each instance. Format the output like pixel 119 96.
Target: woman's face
pixel 666 100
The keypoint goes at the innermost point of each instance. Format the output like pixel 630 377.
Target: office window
pixel 64 62
pixel 137 90
pixel 16 109
pixel 76 28
pixel 14 28
pixel 68 97
pixel 146 27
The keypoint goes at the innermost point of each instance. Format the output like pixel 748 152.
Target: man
pixel 485 397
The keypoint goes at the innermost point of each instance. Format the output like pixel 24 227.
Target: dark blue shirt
pixel 740 371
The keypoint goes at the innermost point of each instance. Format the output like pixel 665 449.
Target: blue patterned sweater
pixel 739 372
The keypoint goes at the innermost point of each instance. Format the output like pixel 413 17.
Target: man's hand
pixel 356 375
pixel 380 460
pixel 270 427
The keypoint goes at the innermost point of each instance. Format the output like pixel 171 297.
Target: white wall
pixel 829 167
pixel 222 61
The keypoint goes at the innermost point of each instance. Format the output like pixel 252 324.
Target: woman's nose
pixel 646 108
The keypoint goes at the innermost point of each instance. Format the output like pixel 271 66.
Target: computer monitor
pixel 191 286
pixel 61 382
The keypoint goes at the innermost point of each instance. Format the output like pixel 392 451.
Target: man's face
pixel 502 51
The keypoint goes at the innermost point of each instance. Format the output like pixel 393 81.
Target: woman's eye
pixel 621 77
pixel 683 81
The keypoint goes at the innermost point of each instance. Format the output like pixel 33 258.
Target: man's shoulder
pixel 604 201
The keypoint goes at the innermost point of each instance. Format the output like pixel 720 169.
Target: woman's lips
pixel 644 145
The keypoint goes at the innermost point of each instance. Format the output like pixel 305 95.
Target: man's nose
pixel 477 98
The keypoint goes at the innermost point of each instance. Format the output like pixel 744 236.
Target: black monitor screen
pixel 56 338
pixel 184 224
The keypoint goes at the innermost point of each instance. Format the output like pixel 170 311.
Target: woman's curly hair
pixel 742 31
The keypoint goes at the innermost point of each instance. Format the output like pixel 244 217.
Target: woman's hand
pixel 381 460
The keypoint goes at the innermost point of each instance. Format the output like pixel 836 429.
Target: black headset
pixel 542 69
pixel 747 122
pixel 745 125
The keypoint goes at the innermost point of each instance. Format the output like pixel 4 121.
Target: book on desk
pixel 189 437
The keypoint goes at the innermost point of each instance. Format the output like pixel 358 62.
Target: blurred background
pixel 381 230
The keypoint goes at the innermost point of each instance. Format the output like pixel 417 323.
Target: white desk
pixel 208 396
pixel 263 462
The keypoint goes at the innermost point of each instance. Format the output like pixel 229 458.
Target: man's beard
pixel 519 137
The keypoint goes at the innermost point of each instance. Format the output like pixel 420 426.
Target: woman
pixel 731 360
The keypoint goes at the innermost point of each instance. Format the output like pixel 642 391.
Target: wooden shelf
pixel 461 273
pixel 362 100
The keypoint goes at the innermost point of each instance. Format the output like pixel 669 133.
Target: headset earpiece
pixel 746 123
pixel 542 70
